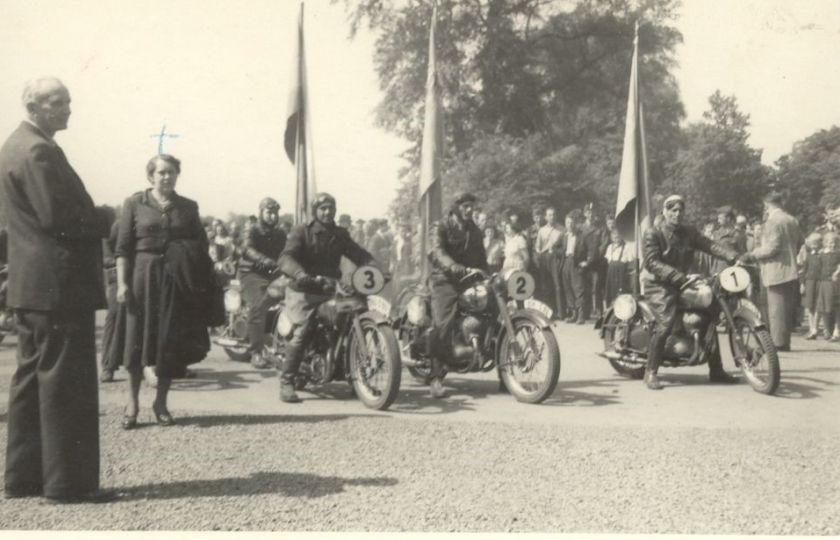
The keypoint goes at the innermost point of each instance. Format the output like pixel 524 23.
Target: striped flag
pixel 633 208
pixel 298 135
pixel 431 207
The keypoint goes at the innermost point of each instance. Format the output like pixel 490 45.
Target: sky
pixel 216 73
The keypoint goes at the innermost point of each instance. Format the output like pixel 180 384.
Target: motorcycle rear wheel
pixel 534 378
pixel 376 379
pixel 761 365
pixel 626 369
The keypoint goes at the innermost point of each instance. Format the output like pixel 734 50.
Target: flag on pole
pixel 633 208
pixel 298 135
pixel 431 207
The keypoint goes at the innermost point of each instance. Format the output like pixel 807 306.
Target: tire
pixel 761 367
pixel 546 381
pixel 625 369
pixel 238 354
pixel 376 385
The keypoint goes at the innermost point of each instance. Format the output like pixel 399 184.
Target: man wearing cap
pixel 456 249
pixel 312 254
pixel 668 252
pixel 263 243
pixel 781 239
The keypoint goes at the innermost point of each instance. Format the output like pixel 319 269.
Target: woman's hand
pixel 122 293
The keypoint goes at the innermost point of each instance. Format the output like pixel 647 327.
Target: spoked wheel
pixel 760 362
pixel 614 331
pixel 375 378
pixel 530 376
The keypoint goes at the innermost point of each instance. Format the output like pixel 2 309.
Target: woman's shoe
pixel 811 336
pixel 129 421
pixel 163 418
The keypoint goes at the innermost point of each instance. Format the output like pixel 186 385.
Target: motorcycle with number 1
pixel 627 326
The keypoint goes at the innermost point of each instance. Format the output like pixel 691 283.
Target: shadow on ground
pixel 209 379
pixel 568 393
pixel 265 419
pixel 460 396
pixel 261 483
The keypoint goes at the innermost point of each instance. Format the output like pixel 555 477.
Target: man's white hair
pixel 36 90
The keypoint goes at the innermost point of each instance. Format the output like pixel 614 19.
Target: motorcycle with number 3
pixel 352 341
pixel 498 326
pixel 626 328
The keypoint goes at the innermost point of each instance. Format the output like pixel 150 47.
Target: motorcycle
pixel 352 341
pixel 498 326
pixel 626 328
pixel 233 337
pixel 7 318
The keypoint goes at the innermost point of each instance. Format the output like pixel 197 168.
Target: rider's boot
pixel 655 350
pixel 291 363
pixel 716 372
pixel 436 389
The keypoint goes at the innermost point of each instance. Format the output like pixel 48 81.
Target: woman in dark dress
pixel 164 274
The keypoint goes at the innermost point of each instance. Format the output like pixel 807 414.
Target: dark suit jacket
pixel 55 232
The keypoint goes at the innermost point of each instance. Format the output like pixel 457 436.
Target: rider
pixel 456 249
pixel 263 243
pixel 312 254
pixel 668 252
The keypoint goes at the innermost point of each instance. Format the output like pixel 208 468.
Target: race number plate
pixel 368 280
pixel 735 279
pixel 377 303
pixel 531 303
pixel 520 285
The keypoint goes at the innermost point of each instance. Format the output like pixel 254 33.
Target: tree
pixel 809 176
pixel 543 84
pixel 715 164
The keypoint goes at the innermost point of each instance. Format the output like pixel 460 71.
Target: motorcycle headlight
pixel 233 300
pixel 474 298
pixel 416 311
pixel 624 307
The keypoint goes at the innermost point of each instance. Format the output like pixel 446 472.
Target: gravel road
pixel 603 457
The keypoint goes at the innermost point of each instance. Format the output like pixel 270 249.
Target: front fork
pixel 738 355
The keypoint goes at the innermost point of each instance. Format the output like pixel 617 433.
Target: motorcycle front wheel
pixel 760 364
pixel 375 378
pixel 533 376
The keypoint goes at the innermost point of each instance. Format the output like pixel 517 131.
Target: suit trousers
pixel 782 303
pixel 53 424
pixel 573 287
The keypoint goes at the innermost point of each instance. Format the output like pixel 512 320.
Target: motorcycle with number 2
pixel 352 340
pixel 626 328
pixel 498 326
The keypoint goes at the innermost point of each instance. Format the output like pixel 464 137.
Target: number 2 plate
pixel 520 285
pixel 368 280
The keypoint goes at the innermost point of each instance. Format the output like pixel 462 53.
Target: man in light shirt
pixel 548 254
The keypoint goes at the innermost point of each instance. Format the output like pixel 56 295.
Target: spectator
pixel 827 300
pixel 780 241
pixel 810 271
pixel 727 235
pixel 516 248
pixel 111 347
pixel 164 277
pixel 620 267
pixel 548 258
pixel 494 246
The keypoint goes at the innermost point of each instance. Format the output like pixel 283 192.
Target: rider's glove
pixel 746 258
pixel 458 270
pixel 308 283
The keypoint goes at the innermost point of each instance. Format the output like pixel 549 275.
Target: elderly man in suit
pixel 55 286
pixel 776 254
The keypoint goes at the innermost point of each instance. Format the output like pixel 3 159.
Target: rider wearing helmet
pixel 668 252
pixel 456 249
pixel 263 243
pixel 313 253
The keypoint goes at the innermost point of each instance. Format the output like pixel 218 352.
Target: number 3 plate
pixel 368 280
pixel 520 285
pixel 735 279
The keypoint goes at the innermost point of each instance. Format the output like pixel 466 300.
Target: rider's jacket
pixel 315 249
pixel 455 242
pixel 669 251
pixel 261 248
